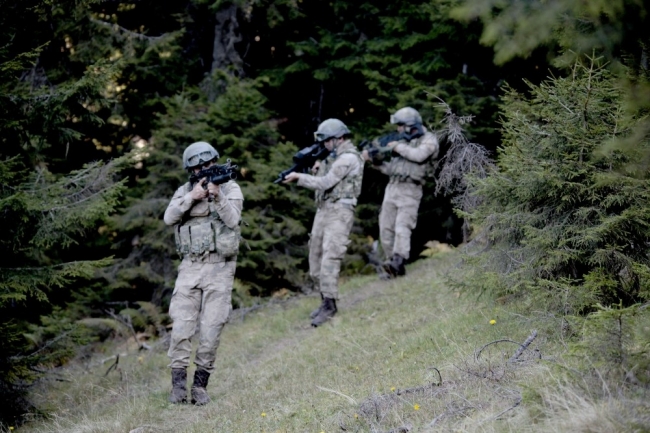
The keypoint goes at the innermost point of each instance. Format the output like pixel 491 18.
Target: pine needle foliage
pixel 517 28
pixel 617 343
pixel 558 220
pixel 42 215
pixel 51 195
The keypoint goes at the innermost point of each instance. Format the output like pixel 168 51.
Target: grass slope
pixel 400 356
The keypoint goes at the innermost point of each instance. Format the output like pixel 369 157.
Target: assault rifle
pixel 377 148
pixel 304 159
pixel 217 174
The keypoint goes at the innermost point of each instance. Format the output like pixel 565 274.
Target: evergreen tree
pixel 613 29
pixel 568 30
pixel 49 198
pixel 42 215
pixel 562 221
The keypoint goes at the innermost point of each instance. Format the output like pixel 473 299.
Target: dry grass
pixel 400 356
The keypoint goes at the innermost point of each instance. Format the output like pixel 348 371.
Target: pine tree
pixel 561 220
pixel 50 199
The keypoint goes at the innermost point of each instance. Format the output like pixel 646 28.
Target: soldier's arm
pixel 343 165
pixel 230 205
pixel 427 148
pixel 181 202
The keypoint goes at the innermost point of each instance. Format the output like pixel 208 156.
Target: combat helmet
pixel 330 128
pixel 198 154
pixel 407 116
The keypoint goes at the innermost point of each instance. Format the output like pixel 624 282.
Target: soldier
pixel 337 185
pixel 406 171
pixel 206 220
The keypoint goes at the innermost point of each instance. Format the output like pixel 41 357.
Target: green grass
pixel 373 368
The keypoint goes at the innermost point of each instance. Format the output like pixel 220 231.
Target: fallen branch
pixel 505 340
pixel 114 366
pixel 523 347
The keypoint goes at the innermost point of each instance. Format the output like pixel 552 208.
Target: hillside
pixel 400 356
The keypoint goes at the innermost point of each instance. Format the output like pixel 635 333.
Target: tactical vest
pixel 349 187
pixel 403 170
pixel 204 232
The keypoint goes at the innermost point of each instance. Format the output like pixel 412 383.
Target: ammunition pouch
pixel 200 236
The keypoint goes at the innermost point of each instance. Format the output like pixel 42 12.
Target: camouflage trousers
pixel 398 217
pixel 202 295
pixel 328 242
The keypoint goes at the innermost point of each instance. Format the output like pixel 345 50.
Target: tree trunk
pixel 226 34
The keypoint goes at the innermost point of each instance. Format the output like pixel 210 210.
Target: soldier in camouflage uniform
pixel 206 220
pixel 337 185
pixel 406 171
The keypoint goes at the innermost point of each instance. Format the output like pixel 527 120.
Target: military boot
pixel 179 386
pixel 398 262
pixel 199 393
pixel 328 310
pixel 317 310
pixel 395 267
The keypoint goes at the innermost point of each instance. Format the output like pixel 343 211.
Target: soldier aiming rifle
pixel 337 184
pixel 379 151
pixel 406 171
pixel 205 213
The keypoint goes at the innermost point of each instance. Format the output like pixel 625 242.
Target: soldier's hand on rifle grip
pixel 214 190
pixel 315 168
pixel 198 192
pixel 291 177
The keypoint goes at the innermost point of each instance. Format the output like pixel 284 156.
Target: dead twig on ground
pixel 523 347
pixel 503 340
pixel 439 375
pixel 113 366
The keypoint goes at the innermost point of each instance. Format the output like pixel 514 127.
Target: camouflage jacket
pixel 339 180
pixel 411 159
pixel 203 229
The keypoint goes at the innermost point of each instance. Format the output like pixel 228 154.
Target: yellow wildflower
pixel 263 414
pixel 416 407
pixel 392 389
pixel 492 322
